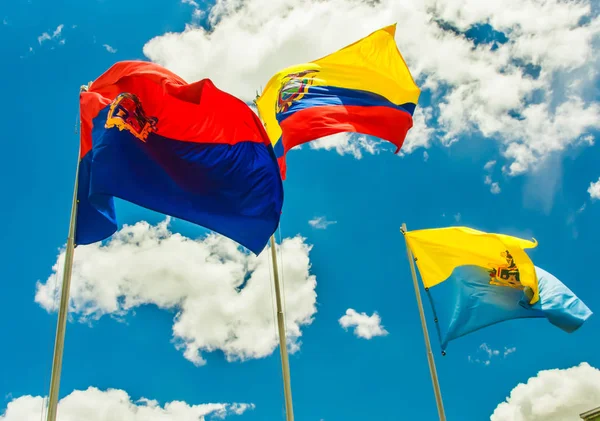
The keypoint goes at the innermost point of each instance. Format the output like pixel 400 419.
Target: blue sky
pixel 542 136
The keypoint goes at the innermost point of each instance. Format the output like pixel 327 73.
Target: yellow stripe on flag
pixel 373 64
pixel 440 250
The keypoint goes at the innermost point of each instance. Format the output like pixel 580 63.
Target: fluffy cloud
pixel 552 395
pixel 364 326
pixel 529 91
pixel 320 222
pixel 94 405
pixel 223 296
pixel 347 143
pixel 594 189
pixel 421 134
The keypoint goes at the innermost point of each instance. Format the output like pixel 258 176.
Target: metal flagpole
pixel 59 341
pixel 62 311
pixel 434 378
pixel 285 366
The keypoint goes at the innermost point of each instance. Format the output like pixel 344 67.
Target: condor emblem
pixel 293 88
pixel 126 113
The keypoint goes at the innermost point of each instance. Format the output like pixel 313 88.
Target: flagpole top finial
pixel 85 88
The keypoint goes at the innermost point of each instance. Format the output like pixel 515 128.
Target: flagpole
pixel 434 378
pixel 61 325
pixel 63 308
pixel 285 366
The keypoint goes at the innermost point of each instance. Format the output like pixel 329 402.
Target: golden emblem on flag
pixel 506 275
pixel 294 86
pixel 126 113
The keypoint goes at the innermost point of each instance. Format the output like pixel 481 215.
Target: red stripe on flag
pixel 313 123
pixel 197 112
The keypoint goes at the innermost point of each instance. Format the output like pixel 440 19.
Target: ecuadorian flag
pixel 365 87
pixel 190 151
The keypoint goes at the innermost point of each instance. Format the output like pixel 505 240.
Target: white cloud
pixel 457 217
pixel 489 354
pixel 494 186
pixel 364 326
pixel 56 34
pixel 347 143
pixel 489 351
pixel 109 48
pixel 321 222
pixel 425 156
pixel 489 165
pixel 44 37
pixel 548 132
pixel 552 395
pixel 589 139
pixel 594 189
pixel 94 404
pixel 531 111
pixel 58 30
pixel 223 296
pixel 197 12
pixel 422 132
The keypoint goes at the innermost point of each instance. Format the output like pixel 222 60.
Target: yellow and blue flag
pixel 480 279
pixel 366 87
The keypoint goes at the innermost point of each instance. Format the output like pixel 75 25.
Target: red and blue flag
pixel 190 151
